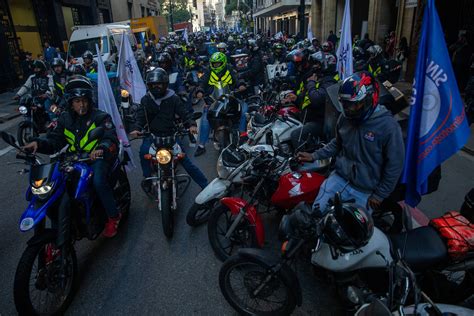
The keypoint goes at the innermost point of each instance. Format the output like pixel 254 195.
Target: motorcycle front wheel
pixel 253 289
pixel 167 219
pixel 199 213
pixel 244 235
pixel 25 134
pixel 44 283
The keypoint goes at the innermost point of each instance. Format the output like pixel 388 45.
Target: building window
pixel 143 11
pixel 76 17
pixel 130 10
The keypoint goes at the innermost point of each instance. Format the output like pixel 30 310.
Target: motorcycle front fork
pixel 236 222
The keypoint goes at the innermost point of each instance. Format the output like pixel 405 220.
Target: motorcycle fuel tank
pixel 295 187
pixel 362 258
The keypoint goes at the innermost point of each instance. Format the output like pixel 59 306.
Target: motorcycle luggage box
pixel 421 248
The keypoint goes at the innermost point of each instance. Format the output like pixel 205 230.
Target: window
pixel 130 10
pixel 77 48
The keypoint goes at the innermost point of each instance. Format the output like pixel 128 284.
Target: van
pixel 107 36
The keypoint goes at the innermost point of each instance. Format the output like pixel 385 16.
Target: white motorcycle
pixel 354 255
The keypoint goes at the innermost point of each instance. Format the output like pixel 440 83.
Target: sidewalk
pixel 8 107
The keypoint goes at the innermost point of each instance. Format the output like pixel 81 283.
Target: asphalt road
pixel 140 272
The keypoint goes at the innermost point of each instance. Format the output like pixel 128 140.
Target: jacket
pixel 37 85
pixel 73 130
pixel 255 72
pixel 227 76
pixel 59 83
pixel 313 101
pixel 370 155
pixel 160 114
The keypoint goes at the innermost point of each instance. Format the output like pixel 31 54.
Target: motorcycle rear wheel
pixel 244 236
pixel 123 194
pixel 167 219
pixel 251 274
pixel 25 134
pixel 44 280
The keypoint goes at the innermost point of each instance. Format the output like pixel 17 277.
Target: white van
pixel 107 36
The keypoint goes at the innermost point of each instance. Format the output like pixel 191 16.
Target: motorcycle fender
pixel 269 261
pixel 48 235
pixel 235 204
pixel 214 190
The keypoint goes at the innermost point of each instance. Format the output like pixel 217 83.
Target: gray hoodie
pixel 369 155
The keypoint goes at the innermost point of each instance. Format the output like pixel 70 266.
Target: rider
pixel 278 54
pixel 190 58
pixel 255 72
pixel 73 129
pixel 59 76
pixel 368 147
pixel 165 61
pixel 159 108
pixel 375 64
pixel 90 65
pixel 219 72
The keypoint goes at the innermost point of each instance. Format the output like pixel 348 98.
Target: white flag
pixel 130 76
pixel 106 100
pixel 310 31
pixel 344 51
pixel 185 36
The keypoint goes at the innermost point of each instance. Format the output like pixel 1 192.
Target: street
pixel 140 272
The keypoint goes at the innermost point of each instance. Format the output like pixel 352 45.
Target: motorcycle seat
pixel 421 248
pixel 259 120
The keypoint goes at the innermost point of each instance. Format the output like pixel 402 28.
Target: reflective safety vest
pixel 189 62
pixel 336 77
pixel 60 87
pixel 306 100
pixel 224 81
pixel 375 72
pixel 71 139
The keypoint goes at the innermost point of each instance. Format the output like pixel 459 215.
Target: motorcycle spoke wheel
pixel 242 237
pixel 249 289
pixel 43 285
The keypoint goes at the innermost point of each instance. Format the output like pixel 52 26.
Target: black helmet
pixel 39 64
pixel 77 69
pixel 252 45
pixel 165 61
pixel 157 75
pixel 78 86
pixel 88 55
pixel 349 228
pixel 57 62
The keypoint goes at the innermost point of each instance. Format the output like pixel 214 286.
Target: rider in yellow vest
pixel 90 65
pixel 73 130
pixel 219 75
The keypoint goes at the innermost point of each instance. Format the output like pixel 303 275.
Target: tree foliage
pixel 179 9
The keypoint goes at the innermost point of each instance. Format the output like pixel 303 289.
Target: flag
pixel 128 72
pixel 310 31
pixel 344 51
pixel 437 127
pixel 106 100
pixel 185 36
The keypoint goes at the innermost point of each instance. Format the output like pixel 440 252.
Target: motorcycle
pixel 166 185
pixel 127 110
pixel 35 119
pixel 47 274
pixel 353 272
pixel 235 223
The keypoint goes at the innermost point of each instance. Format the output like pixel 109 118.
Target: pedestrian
pixel 27 65
pixel 390 45
pixel 403 50
pixel 332 38
pixel 60 54
pixel 49 53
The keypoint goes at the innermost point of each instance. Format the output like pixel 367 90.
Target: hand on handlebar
pixel 31 147
pixel 96 154
pixel 135 134
pixel 16 97
pixel 304 157
pixel 193 130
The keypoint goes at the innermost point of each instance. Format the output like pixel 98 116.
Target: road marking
pixel 5 150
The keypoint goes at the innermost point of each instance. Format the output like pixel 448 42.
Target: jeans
pixel 335 184
pixel 101 169
pixel 193 171
pixel 204 127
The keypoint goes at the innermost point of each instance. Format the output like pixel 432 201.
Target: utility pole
pixel 301 18
pixel 171 16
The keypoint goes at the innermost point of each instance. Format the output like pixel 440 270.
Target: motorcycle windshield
pixel 41 174
pixel 219 91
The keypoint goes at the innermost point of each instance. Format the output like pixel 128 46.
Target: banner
pixel 344 51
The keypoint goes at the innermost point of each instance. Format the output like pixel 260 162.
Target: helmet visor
pixel 352 109
pixel 216 64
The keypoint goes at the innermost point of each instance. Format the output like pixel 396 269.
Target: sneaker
pixel 199 151
pixel 111 226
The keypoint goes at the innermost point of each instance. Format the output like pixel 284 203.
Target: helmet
pixel 278 48
pixel 359 96
pixel 88 55
pixel 349 229
pixel 375 50
pixel 39 64
pixel 222 47
pixel 358 52
pixel 157 76
pixel 165 61
pixel 191 48
pixel 230 38
pixel 327 46
pixel 290 43
pixel 325 61
pixel 170 50
pixel 78 86
pixel 218 62
pixel 252 45
pixel 57 62
pixel 77 69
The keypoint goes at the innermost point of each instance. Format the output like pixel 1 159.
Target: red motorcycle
pixel 236 223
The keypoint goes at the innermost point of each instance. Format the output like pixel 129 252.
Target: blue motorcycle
pixel 61 190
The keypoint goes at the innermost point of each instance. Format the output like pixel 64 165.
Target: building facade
pixel 123 10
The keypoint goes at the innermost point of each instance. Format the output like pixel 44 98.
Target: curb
pixel 9 117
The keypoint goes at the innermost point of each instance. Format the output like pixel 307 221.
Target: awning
pixel 279 8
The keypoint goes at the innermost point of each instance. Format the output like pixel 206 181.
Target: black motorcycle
pixel 35 118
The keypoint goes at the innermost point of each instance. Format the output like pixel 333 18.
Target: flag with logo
pixel 310 31
pixel 106 101
pixel 437 127
pixel 344 51
pixel 185 36
pixel 128 72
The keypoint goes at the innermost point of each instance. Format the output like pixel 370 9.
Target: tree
pixel 180 10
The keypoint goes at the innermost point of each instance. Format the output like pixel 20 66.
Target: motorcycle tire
pixel 253 273
pixel 123 194
pixel 167 219
pixel 22 134
pixel 22 284
pixel 199 213
pixel 244 235
pixel 222 139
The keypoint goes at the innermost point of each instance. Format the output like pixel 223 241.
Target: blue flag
pixel 437 126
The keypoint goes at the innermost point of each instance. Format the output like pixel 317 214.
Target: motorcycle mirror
pixel 96 133
pixel 197 115
pixel 9 139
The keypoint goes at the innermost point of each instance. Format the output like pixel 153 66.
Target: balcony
pixel 271 7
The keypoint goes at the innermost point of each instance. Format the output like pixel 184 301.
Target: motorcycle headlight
pixel 42 190
pixel 23 110
pixel 163 156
